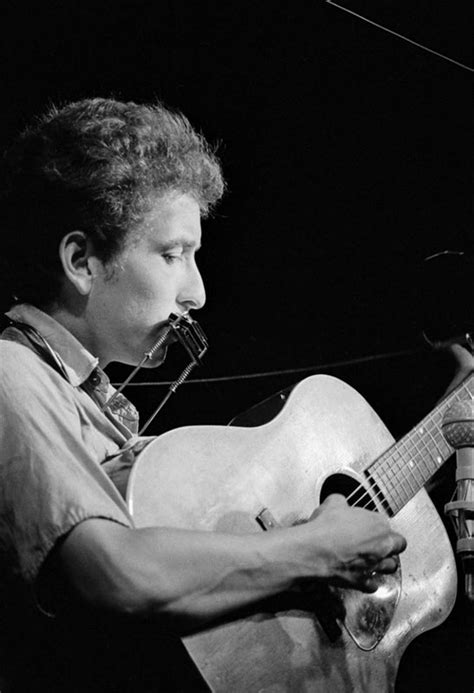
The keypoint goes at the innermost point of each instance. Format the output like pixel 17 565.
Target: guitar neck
pixel 407 466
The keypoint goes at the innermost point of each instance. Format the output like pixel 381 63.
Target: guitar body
pixel 220 478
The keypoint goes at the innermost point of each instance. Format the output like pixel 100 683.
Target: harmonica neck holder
pixel 191 336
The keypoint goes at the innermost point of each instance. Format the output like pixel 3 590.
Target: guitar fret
pixel 396 495
pixel 393 465
pixel 422 453
pixel 438 447
pixel 383 484
pixel 403 474
pixel 411 468
pixel 406 467
pixel 398 472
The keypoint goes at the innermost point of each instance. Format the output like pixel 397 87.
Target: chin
pixel 133 360
pixel 155 363
pixel 157 360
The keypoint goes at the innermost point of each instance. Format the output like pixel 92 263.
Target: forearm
pixel 189 579
pixel 205 576
pixel 182 577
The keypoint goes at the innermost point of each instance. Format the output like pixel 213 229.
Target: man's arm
pixel 187 579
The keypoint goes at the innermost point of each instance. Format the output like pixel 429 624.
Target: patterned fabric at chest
pixel 99 388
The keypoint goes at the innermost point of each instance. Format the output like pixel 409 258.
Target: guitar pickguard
pixel 366 617
pixel 369 616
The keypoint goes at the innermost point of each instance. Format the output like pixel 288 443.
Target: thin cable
pixel 400 36
pixel 170 392
pixel 146 356
pixel 287 371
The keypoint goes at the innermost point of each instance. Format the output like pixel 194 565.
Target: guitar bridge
pixel 266 520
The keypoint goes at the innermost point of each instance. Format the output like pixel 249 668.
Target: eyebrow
pixel 181 242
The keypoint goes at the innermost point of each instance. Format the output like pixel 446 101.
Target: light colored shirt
pixel 59 450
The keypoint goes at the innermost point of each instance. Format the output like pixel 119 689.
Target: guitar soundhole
pixel 355 493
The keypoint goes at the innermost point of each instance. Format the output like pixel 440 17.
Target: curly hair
pixel 95 165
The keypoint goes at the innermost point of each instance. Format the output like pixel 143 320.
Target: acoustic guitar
pixel 325 439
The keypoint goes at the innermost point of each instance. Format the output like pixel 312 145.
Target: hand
pixel 356 543
pixel 464 359
pixel 464 364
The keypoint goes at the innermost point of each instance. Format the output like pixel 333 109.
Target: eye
pixel 171 258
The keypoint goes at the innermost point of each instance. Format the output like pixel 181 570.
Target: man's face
pixel 154 276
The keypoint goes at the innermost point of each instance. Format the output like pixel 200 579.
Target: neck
pixel 77 324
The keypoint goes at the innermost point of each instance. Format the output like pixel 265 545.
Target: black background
pixel 347 156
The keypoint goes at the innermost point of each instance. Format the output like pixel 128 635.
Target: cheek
pixel 143 293
pixel 138 285
pixel 150 290
pixel 149 296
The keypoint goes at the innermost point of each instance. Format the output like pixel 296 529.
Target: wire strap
pixel 400 36
pixel 286 371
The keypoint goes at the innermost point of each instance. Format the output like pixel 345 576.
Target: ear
pixel 78 261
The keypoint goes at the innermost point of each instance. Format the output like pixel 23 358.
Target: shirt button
pixel 94 378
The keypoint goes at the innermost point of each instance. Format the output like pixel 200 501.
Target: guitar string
pixel 394 476
pixel 432 424
pixel 456 396
pixel 379 496
pixel 405 474
pixel 373 495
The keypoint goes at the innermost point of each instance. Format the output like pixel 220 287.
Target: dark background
pixel 347 156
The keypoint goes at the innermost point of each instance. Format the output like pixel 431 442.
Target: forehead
pixel 172 216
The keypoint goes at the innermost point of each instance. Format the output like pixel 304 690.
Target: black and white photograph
pixel 236 347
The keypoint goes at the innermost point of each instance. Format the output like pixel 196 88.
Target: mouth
pixel 178 328
pixel 162 339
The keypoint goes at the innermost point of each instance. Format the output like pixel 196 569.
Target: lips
pixel 171 337
pixel 165 336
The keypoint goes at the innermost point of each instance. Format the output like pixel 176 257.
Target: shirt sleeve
pixel 49 479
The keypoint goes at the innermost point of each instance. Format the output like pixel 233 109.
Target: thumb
pixel 335 500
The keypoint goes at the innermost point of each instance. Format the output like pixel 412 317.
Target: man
pixel 101 225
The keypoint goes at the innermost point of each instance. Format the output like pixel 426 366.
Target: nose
pixel 193 293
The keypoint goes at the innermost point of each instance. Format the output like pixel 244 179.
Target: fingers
pixel 390 548
pixel 399 543
pixel 369 580
pixel 370 584
pixel 386 560
pixel 387 565
pixel 363 547
pixel 368 571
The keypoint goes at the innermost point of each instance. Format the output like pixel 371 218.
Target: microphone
pixel 458 429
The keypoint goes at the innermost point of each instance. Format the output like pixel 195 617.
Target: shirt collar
pixel 77 361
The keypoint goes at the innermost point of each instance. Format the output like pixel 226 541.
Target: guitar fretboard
pixel 406 467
